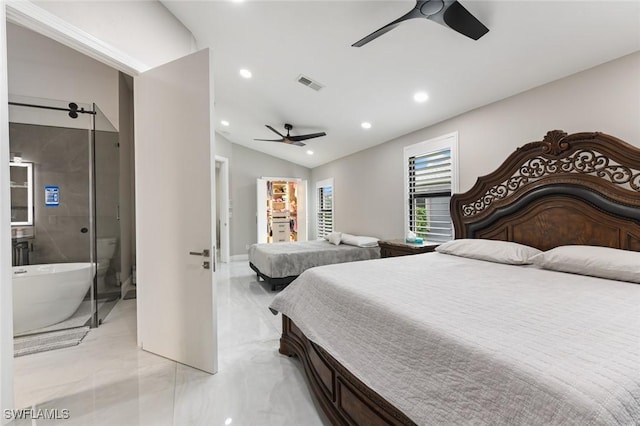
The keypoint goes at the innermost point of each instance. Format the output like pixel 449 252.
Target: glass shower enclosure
pixel 64 202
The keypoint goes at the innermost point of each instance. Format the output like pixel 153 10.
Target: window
pixel 430 178
pixel 324 204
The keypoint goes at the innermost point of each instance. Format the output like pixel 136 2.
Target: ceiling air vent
pixel 309 83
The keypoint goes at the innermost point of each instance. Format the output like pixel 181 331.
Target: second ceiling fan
pixel 449 13
pixel 291 140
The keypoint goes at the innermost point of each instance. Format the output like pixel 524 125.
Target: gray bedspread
pixel 279 260
pixel 454 341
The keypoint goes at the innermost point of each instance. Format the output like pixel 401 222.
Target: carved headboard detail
pixel 582 188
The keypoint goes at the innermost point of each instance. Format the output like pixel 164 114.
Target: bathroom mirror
pixel 21 194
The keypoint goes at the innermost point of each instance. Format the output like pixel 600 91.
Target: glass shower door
pixel 54 138
pixel 106 161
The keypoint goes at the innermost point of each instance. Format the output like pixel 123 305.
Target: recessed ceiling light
pixel 224 122
pixel 421 97
pixel 366 125
pixel 309 152
pixel 245 73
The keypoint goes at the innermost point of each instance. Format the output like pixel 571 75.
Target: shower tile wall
pixel 60 156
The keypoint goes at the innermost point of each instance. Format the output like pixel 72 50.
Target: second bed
pixel 280 263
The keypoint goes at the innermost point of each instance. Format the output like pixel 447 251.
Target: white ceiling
pixel 529 44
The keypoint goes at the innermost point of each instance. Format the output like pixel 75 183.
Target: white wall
pixel 145 30
pixel 245 166
pixel 42 68
pixel 223 146
pixel 369 184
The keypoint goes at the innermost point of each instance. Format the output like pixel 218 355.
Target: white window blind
pixel 324 203
pixel 430 182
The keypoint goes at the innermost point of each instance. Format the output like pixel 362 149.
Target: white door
pixel 261 212
pixel 175 172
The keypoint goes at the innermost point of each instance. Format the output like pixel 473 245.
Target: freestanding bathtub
pixel 44 295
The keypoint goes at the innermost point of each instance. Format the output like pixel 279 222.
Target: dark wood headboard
pixel 582 188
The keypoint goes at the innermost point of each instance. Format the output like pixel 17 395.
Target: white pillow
pixel 491 250
pixel 602 262
pixel 334 237
pixel 359 241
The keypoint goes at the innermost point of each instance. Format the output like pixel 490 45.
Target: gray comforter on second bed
pixel 280 260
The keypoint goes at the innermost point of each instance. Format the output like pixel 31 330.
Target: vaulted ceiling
pixel 529 43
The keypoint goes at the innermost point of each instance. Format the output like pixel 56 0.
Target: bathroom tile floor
pixel 108 380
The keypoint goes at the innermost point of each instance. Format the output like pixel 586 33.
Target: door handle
pixel 204 253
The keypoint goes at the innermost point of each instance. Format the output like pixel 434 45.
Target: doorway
pixel 222 208
pixel 74 230
pixel 282 210
pixel 62 30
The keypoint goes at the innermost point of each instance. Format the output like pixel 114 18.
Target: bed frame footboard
pixel 343 398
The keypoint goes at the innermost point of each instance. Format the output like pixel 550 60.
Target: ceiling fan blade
pixel 270 140
pixel 275 131
pixel 414 13
pixel 461 20
pixel 298 143
pixel 305 137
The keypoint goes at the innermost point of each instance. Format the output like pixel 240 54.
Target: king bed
pixel 476 333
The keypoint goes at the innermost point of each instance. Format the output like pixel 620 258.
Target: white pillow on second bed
pixel 359 241
pixel 602 262
pixel 334 238
pixel 352 240
pixel 490 250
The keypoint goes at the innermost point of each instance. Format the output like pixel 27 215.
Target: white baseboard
pixel 126 286
pixel 237 257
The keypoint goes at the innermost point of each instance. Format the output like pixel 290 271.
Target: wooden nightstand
pixel 392 248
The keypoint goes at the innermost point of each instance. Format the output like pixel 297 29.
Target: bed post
pixel 285 347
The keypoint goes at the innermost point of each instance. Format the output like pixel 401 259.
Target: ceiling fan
pixel 449 13
pixel 291 140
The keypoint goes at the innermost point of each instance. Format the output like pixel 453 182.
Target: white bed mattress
pixel 449 340
pixel 280 260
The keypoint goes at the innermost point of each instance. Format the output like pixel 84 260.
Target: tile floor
pixel 107 380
